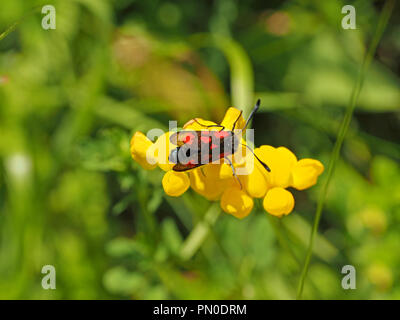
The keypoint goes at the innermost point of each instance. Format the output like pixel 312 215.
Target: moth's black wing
pixel 193 160
pixel 185 167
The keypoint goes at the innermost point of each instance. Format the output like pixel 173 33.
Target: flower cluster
pixel 215 181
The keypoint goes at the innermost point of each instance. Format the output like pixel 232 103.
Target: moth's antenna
pixel 251 116
pixel 259 160
pixel 253 112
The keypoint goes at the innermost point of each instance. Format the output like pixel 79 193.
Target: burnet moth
pixel 197 148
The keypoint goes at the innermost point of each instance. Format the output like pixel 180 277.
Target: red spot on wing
pixel 213 146
pixel 205 139
pixel 188 138
pixel 221 134
pixel 191 164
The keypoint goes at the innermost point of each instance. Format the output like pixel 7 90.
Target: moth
pixel 196 148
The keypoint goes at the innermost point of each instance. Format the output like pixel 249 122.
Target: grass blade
pixel 15 24
pixel 383 20
pixel 200 232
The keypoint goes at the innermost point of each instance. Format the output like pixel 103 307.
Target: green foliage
pixel 71 195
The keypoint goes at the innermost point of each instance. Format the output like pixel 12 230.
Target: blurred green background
pixel 72 197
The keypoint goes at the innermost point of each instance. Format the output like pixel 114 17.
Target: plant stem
pixel 200 232
pixel 383 20
pixel 277 226
pixel 241 69
pixel 15 24
pixel 8 31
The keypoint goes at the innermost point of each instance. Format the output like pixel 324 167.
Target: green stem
pixel 383 20
pixel 277 226
pixel 8 30
pixel 241 69
pixel 200 232
pixel 15 24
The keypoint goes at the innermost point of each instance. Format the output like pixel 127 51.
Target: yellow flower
pixel 175 183
pixel 209 186
pixel 162 149
pixel 278 202
pixel 255 183
pixel 140 144
pixel 305 173
pixel 286 171
pixel 236 202
pixel 215 181
pixel 281 162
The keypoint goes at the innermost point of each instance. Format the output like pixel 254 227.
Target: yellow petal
pixel 200 124
pixel 163 147
pixel 139 147
pixel 209 186
pixel 225 171
pixel 236 202
pixel 198 181
pixel 251 174
pixel 241 155
pixel 230 117
pixel 218 171
pixel 255 183
pixel 281 162
pixel 212 170
pixel 305 173
pixel 278 202
pixel 175 183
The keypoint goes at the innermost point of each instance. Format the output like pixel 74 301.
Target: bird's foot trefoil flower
pixel 215 181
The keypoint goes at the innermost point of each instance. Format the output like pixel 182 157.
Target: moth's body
pixel 202 147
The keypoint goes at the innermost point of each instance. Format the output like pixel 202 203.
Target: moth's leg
pixel 209 126
pixel 234 172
